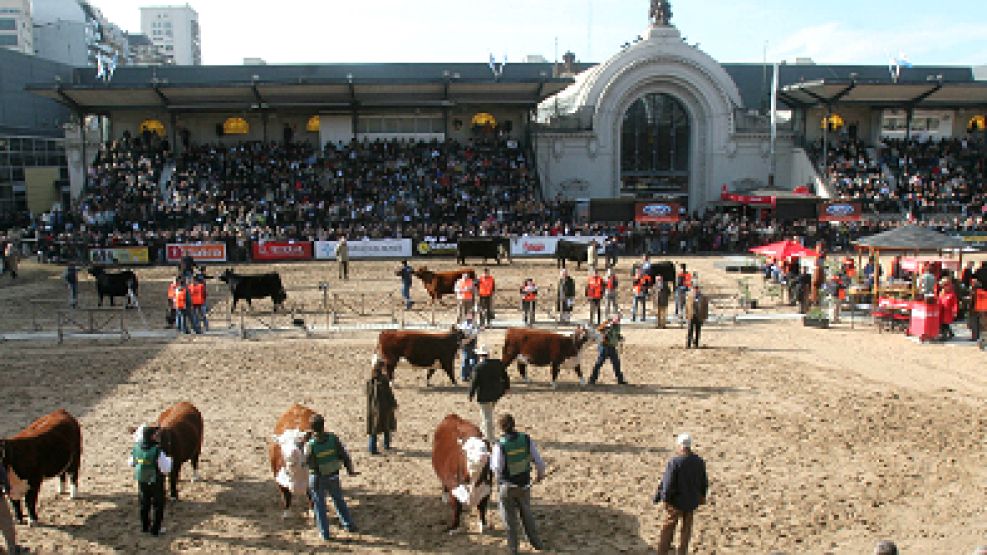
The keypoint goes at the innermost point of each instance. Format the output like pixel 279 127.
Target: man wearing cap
pixel 490 383
pixel 682 490
pixel 608 350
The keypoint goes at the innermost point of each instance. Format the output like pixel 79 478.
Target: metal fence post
pixel 335 307
pixel 243 324
pixel 61 336
pixel 390 301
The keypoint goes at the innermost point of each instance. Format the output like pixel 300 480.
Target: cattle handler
pixel 608 350
pixel 325 456
pixel 381 409
pixel 150 466
pixel 511 462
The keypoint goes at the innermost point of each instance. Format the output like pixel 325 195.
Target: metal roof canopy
pixel 225 88
pixel 928 94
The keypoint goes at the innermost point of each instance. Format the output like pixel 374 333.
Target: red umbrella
pixel 783 250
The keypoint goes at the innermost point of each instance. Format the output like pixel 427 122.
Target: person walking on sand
pixel 150 466
pixel 489 384
pixel 405 272
pixel 71 277
pixel 325 456
pixel 343 258
pixel 381 409
pixel 513 454
pixel 529 298
pixel 696 313
pixel 682 490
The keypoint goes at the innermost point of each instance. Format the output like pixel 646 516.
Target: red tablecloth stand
pixel 925 321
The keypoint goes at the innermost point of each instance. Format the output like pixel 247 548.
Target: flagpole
pixel 774 126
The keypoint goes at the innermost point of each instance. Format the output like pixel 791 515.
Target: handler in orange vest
pixel 485 289
pixel 529 296
pixel 171 316
pixel 610 292
pixel 465 290
pixel 594 294
pixel 198 294
pixel 182 306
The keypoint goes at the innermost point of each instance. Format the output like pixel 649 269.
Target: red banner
pixel 200 252
pixel 282 250
pixel 751 200
pixel 656 212
pixel 840 212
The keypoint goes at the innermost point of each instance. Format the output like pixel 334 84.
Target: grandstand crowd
pixel 140 192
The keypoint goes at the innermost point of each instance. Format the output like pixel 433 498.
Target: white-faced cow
pixel 421 349
pixel 291 432
pixel 117 284
pixel 50 446
pixel 249 287
pixel 544 348
pixel 461 459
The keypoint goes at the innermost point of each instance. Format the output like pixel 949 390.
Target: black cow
pixel 487 247
pixel 254 287
pixel 570 250
pixel 119 284
pixel 664 269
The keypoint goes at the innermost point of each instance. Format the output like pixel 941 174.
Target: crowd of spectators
pixel 913 178
pixel 139 192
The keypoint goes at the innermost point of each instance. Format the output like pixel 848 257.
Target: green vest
pixel 517 455
pixel 146 463
pixel 325 459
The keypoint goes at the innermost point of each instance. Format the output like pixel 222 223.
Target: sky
pixel 947 32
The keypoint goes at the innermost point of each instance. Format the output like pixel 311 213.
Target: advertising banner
pixel 119 255
pixel 539 245
pixel 281 250
pixel 369 248
pixel 431 246
pixel 656 212
pixel 750 200
pixel 840 212
pixel 200 252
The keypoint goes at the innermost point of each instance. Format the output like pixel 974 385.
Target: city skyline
pixel 376 31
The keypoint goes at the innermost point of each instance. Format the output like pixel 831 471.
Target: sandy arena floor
pixel 816 441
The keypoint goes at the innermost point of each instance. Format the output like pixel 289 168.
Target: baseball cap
pixel 685 440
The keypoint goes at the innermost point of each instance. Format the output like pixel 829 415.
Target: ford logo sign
pixel 657 210
pixel 840 209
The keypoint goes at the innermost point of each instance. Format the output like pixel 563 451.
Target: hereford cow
pixel 259 286
pixel 544 348
pixel 486 247
pixel 285 452
pixel 570 250
pixel 421 349
pixel 180 437
pixel 461 459
pixel 441 283
pixel 118 284
pixel 51 446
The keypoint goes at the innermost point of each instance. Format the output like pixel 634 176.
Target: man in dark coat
pixel 381 409
pixel 490 383
pixel 566 296
pixel 682 490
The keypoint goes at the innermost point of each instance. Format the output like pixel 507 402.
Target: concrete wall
pixel 335 128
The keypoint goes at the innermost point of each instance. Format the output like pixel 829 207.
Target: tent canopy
pixel 910 238
pixel 783 250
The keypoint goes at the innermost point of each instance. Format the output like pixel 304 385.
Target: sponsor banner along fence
pixel 431 246
pixel 369 248
pixel 656 212
pixel 120 255
pixel 840 212
pixel 200 252
pixel 281 250
pixel 545 246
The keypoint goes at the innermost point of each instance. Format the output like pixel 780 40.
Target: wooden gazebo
pixel 908 239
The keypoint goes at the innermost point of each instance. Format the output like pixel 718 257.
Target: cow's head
pixel 582 335
pixel 291 442
pixel 477 452
pixel 421 272
pixel 97 271
pixel 279 296
pixel 226 275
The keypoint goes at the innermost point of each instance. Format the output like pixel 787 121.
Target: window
pixel 236 126
pixel 8 24
pixel 313 124
pixel 8 40
pixel 154 126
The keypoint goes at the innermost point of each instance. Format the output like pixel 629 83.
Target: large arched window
pixel 654 147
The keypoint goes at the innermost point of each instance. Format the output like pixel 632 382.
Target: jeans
pixel 201 318
pixel 514 500
pixel 193 315
pixel 468 362
pixel 318 486
pixel 529 311
pixel 643 303
pixel 594 308
pixel 73 294
pixel 151 495
pixel 610 304
pixel 680 300
pixel 182 320
pixel 406 294
pixel 607 352
pixel 486 310
pixel 372 442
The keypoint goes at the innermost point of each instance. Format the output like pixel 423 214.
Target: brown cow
pixel 441 283
pixel 180 437
pixel 544 348
pixel 287 462
pixel 419 348
pixel 51 446
pixel 461 459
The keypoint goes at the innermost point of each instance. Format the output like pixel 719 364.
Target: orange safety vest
pixel 611 283
pixel 529 293
pixel 594 288
pixel 198 291
pixel 180 297
pixel 486 286
pixel 465 291
pixel 171 291
pixel 641 284
pixel 686 279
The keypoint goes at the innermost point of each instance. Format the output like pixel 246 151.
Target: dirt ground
pixel 816 441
